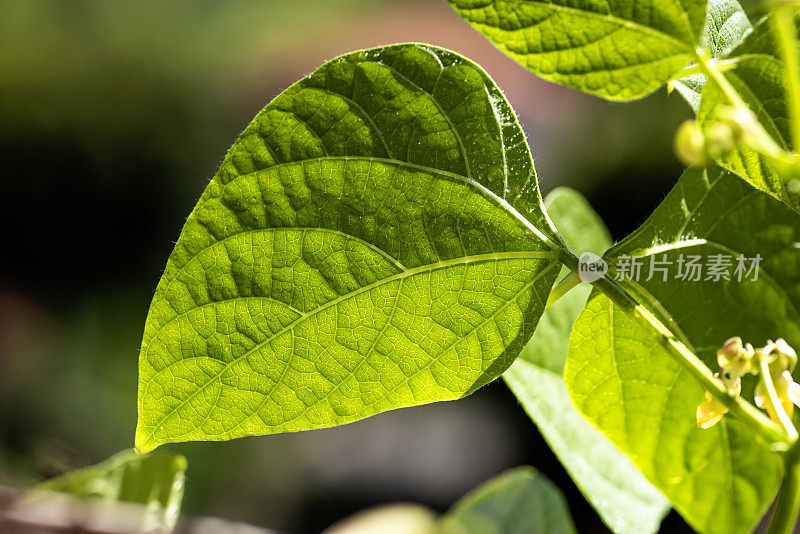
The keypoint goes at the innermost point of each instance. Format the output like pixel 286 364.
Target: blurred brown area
pixel 113 117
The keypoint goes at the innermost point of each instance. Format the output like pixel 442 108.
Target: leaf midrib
pixel 466 260
pixel 480 189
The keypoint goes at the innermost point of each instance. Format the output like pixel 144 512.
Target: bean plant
pixel 376 239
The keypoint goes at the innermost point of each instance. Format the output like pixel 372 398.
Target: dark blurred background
pixel 113 117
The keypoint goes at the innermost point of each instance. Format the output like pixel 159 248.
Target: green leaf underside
pixel 759 80
pixel 622 497
pixel 616 49
pixel 720 479
pixel 726 27
pixel 356 252
pixel 154 480
pixel 519 501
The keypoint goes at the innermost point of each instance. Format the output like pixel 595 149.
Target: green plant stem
pixel 738 407
pixel 562 288
pixel 773 402
pixel 757 137
pixel 783 15
pixel 787 505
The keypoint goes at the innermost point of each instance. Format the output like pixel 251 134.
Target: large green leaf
pixel 359 250
pixel 759 79
pixel 721 479
pixel 617 49
pixel 153 480
pixel 520 501
pixel 625 501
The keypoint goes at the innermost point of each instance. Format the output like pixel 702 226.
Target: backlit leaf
pixel 720 479
pixel 373 240
pixel 616 49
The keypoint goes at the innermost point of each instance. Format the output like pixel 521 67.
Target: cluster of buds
pixel 735 360
pixel 696 145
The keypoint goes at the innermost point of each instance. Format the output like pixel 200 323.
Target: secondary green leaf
pixel 622 497
pixel 153 480
pixel 620 50
pixel 363 247
pixel 759 80
pixel 726 27
pixel 720 479
pixel 642 399
pixel 711 213
pixel 520 501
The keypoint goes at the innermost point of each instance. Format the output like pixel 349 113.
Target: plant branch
pixel 787 505
pixel 738 407
pixel 774 404
pixel 783 25
pixel 756 136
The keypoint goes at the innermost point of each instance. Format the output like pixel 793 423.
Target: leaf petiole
pixel 562 288
pixel 787 505
pixel 783 15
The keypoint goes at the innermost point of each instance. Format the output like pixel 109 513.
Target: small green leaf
pixel 519 501
pixel 643 400
pixel 625 501
pixel 726 27
pixel 759 79
pixel 373 240
pixel 619 50
pixel 153 480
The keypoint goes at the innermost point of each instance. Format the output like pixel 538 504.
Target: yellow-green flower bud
pixel 787 352
pixel 720 138
pixel 735 359
pixel 780 355
pixel 690 144
pixel 709 412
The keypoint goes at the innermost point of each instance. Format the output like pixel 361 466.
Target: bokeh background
pixel 113 117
